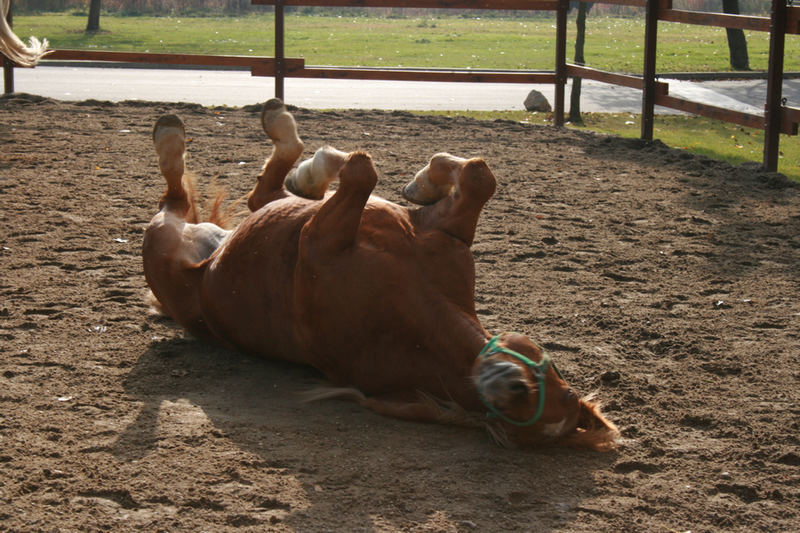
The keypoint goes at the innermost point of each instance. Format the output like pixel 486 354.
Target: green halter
pixel 537 369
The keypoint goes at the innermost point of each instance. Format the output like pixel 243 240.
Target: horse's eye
pixel 569 395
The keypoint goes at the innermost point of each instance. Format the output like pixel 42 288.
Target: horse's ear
pixel 594 431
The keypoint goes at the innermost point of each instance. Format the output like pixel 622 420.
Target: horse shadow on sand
pixel 344 462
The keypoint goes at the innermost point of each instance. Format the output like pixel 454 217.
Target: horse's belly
pixel 248 292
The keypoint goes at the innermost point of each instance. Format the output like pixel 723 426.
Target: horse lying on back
pixel 376 296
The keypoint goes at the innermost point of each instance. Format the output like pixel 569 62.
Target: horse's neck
pixel 465 340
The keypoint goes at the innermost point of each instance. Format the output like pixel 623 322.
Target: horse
pixel 13 48
pixel 376 296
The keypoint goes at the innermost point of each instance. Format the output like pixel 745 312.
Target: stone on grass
pixel 537 102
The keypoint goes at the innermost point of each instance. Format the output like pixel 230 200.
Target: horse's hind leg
pixel 281 128
pixel 169 140
pixel 174 248
pixel 469 184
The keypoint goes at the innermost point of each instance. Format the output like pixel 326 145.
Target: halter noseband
pixel 537 369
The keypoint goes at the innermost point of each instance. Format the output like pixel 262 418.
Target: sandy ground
pixel 665 282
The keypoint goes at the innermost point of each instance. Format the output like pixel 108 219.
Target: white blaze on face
pixel 494 380
pixel 555 429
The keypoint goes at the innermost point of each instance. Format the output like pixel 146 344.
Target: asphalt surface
pixel 237 88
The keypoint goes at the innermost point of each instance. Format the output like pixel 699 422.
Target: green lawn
pixel 613 44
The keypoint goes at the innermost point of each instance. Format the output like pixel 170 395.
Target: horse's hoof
pixel 290 184
pixel 168 121
pixel 169 139
pixel 271 110
pixel 412 193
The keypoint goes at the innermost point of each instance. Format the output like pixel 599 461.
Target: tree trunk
pixel 580 40
pixel 737 44
pixel 94 16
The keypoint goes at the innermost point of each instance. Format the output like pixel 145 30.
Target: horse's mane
pixel 595 432
pixel 598 434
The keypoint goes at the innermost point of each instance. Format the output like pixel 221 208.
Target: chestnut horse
pixel 376 296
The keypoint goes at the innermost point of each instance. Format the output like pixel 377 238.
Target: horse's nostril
pixel 518 388
pixel 499 371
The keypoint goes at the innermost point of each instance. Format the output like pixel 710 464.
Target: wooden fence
pixel 777 118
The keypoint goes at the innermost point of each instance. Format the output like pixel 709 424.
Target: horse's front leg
pixel 453 191
pixel 281 128
pixel 334 227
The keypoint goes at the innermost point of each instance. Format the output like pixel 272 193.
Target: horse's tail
pixel 209 207
pixel 12 46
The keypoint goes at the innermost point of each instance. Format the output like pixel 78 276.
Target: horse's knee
pixel 334 227
pixel 476 182
pixel 358 173
pixel 457 214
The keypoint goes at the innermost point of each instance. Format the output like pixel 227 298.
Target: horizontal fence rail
pixel 740 22
pixel 777 117
pixel 259 66
pixel 791 119
pixel 410 74
pixel 710 111
pixel 624 80
pixel 499 5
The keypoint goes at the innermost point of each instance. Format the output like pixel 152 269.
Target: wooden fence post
pixel 561 60
pixel 8 65
pixel 772 112
pixel 649 71
pixel 280 64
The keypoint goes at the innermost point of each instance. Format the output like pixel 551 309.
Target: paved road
pixel 238 88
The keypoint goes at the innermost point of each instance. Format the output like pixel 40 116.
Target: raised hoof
pixel 270 111
pixel 169 138
pixel 411 193
pixel 291 185
pixel 435 181
pixel 280 127
pixel 166 125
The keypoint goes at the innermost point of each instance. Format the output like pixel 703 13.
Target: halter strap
pixel 537 369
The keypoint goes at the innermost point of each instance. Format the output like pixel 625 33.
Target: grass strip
pixel 703 136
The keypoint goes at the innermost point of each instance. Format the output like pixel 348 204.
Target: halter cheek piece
pixel 537 369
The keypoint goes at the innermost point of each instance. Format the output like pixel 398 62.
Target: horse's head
pixel 523 390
